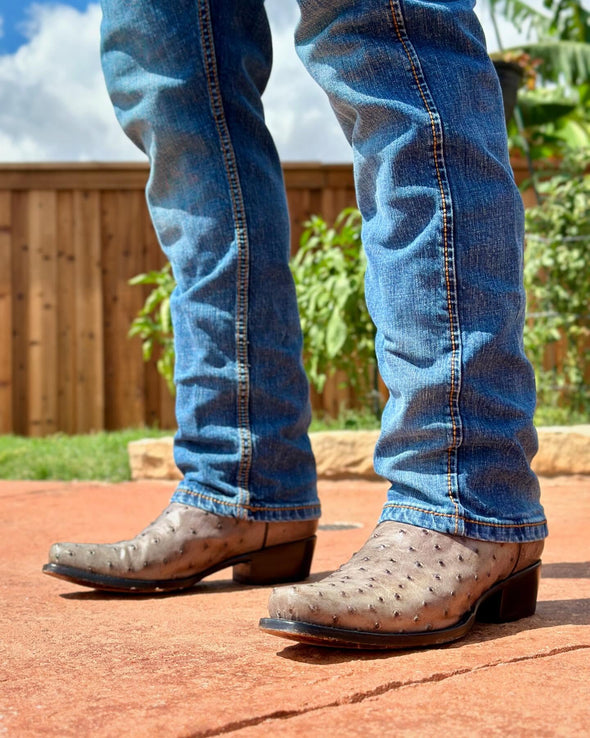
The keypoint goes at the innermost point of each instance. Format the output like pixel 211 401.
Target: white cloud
pixel 54 102
pixel 297 110
pixel 509 36
pixel 55 106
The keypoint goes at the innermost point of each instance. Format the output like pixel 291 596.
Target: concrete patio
pixel 79 663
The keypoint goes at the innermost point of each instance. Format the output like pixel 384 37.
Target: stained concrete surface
pixel 74 662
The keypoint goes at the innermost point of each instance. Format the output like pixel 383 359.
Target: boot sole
pixel 286 562
pixel 511 599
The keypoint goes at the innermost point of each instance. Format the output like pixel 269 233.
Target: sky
pixel 54 106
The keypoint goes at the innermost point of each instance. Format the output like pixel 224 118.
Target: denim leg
pixel 185 78
pixel 417 96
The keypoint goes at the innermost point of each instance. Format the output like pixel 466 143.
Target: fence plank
pixel 6 289
pixel 89 339
pixel 73 176
pixel 20 310
pixel 159 401
pixel 122 238
pixel 42 317
pixel 66 314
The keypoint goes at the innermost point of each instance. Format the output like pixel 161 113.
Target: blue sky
pixel 15 16
pixel 55 107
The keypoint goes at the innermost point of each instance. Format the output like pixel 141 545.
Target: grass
pixel 103 456
pixel 559 416
pixel 366 420
pixel 346 420
pixel 98 456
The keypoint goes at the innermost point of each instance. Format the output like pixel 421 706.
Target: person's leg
pixel 185 78
pixel 418 98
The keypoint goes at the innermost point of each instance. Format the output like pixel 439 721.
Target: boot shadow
pixel 215 586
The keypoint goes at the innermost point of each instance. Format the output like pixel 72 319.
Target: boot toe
pixel 65 554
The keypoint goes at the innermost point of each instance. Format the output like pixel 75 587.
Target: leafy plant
pixel 557 278
pixel 563 19
pixel 554 109
pixel 329 271
pixel 153 323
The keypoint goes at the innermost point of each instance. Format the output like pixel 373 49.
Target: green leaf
pixel 538 110
pixel 335 334
pixel 565 61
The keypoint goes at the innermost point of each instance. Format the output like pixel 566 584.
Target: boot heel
pixel 512 599
pixel 288 562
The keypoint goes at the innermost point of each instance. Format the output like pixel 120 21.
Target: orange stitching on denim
pixel 465 520
pixel 253 508
pixel 239 216
pixel 420 509
pixel 506 525
pixel 436 148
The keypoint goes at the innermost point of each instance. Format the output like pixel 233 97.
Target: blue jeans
pixel 417 97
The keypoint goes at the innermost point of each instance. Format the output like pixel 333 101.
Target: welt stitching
pixel 437 154
pixel 466 520
pixel 240 221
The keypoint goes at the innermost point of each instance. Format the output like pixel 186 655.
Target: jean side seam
pixel 243 256
pixel 448 254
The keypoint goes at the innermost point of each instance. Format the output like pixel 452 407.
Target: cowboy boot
pixel 184 545
pixel 409 587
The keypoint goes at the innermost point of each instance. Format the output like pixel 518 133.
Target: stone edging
pixel 349 454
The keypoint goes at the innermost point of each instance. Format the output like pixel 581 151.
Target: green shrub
pixel 338 333
pixel 153 323
pixel 557 278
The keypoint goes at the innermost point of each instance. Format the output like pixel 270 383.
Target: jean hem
pixel 265 513
pixel 479 529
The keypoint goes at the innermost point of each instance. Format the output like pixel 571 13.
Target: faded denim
pixel 417 96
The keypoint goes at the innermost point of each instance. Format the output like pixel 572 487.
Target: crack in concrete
pixel 359 697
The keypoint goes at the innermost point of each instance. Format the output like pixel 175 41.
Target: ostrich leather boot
pixel 409 587
pixel 184 545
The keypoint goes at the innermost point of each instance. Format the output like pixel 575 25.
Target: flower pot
pixel 510 76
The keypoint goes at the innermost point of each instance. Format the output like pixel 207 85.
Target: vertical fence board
pixel 20 310
pixel 152 259
pixel 90 386
pixel 6 290
pixel 122 238
pixel 66 314
pixel 42 317
pixel 159 401
pixel 299 212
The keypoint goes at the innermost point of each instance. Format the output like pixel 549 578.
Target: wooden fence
pixel 71 236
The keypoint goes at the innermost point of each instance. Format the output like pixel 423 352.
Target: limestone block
pixel 340 454
pixel 344 453
pixel 152 458
pixel 563 450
